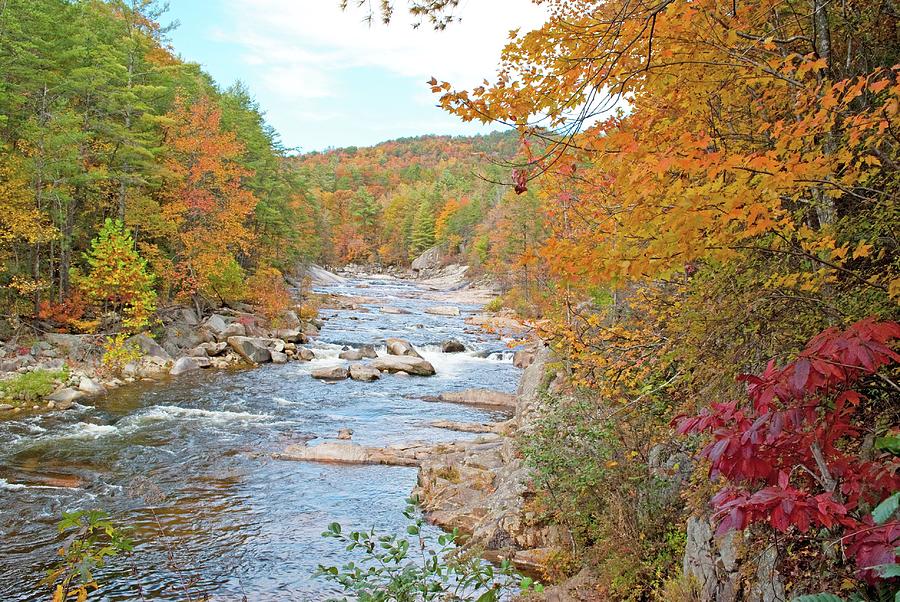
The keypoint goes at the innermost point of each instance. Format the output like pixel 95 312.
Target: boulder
pixel 147 367
pixel 332 373
pixel 289 335
pixel 346 452
pixel 523 358
pixel 274 344
pixel 235 329
pixel 78 347
pixel 149 348
pixel 305 354
pixel 368 352
pixel 5 407
pixel 401 347
pixel 253 350
pixel 443 310
pixel 289 319
pixel 90 386
pixel 216 324
pixel 66 395
pixel 452 346
pixel 387 309
pixel 214 349
pixel 404 363
pixel 198 351
pixel 330 451
pixel 481 397
pixel 352 355
pixel 463 427
pixel 429 260
pixel 364 373
pixel 279 357
pixel 189 316
pixel 189 364
pixel 309 329
pixel 320 276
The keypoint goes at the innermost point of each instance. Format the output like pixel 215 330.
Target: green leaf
pixel 886 509
pixel 890 443
pixel 886 571
pixel 823 597
pixel 488 596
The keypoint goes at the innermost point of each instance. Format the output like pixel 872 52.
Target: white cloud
pixel 300 47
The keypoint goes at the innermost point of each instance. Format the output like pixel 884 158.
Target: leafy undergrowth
pixel 32 386
pixel 594 479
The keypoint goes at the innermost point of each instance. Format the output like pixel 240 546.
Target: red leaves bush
pixel 791 452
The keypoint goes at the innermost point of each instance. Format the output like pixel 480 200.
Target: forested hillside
pixel 100 120
pixel 388 203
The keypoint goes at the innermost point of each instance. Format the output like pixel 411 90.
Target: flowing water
pixel 237 521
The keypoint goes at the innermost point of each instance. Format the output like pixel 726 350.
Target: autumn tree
pixel 117 277
pixel 204 200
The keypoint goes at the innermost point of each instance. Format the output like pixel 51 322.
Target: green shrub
pixel 32 385
pixel 495 304
pixel 593 478
pixel 395 569
pixel 93 539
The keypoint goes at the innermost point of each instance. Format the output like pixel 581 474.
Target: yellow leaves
pixel 862 250
pixel 840 253
pixel 894 290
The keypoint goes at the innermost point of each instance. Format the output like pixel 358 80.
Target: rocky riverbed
pixel 191 459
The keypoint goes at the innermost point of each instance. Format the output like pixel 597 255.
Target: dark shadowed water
pixel 238 521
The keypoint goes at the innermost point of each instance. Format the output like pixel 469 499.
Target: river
pixel 195 453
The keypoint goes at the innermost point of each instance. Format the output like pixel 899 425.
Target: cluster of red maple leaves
pixel 792 452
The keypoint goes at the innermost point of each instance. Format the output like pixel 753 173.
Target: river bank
pixel 238 519
pixel 46 371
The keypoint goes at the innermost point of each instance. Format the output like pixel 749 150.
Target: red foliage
pixel 67 314
pixel 520 181
pixel 790 451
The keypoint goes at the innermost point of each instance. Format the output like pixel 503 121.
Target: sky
pixel 325 78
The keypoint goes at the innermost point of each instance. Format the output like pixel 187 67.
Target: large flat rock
pixel 404 363
pixel 480 397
